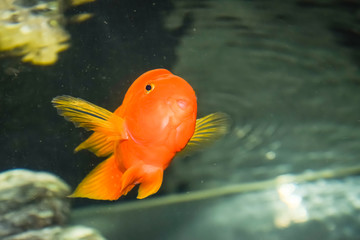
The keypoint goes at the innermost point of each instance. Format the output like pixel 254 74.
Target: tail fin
pixel 102 183
pixel 107 126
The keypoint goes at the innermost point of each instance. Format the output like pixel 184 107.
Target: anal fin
pixel 149 177
pixel 151 182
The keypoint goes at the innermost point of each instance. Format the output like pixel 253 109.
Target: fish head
pixel 161 107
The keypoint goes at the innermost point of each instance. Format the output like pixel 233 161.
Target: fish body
pixel 162 119
pixel 156 119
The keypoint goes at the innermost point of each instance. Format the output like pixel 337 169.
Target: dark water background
pixel 107 53
pixel 287 73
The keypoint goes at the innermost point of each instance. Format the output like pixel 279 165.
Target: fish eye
pixel 149 87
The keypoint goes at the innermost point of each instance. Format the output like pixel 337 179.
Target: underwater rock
pixel 33 205
pixel 31 200
pixel 59 233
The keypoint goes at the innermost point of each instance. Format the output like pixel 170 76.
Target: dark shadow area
pixel 108 52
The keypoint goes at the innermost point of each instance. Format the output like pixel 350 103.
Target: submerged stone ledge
pixel 33 205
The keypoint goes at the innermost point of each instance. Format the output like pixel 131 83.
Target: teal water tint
pixel 280 208
pixel 286 72
pixel 282 72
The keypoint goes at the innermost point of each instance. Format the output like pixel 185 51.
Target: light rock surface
pixel 30 200
pixel 59 233
pixel 33 205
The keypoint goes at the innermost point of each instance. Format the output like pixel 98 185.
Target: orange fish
pixel 156 120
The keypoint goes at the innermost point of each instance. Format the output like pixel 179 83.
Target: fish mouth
pixel 181 103
pixel 180 106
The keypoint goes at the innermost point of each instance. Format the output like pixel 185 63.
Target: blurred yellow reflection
pixel 34 29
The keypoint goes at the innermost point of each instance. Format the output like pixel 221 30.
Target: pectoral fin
pixel 208 129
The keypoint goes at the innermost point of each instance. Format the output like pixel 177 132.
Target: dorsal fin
pixel 99 144
pixel 107 126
